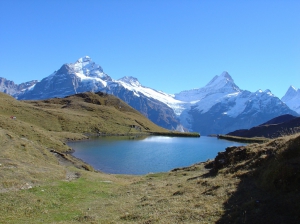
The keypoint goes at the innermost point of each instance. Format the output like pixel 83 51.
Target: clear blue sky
pixel 169 45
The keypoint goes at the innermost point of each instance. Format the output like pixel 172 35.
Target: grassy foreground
pixel 257 183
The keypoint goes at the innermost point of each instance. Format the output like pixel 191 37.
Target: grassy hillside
pixel 43 126
pixel 257 183
pixel 25 163
pixel 82 113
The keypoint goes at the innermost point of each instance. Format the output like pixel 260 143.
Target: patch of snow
pixel 133 84
pixel 240 104
pixel 222 84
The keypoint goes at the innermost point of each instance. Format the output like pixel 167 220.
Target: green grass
pixel 63 201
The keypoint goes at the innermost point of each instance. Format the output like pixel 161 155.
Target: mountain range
pixel 217 108
pixel 9 87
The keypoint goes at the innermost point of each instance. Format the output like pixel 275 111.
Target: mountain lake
pixel 147 154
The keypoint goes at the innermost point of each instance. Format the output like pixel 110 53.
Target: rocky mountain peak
pixel 290 93
pixel 267 91
pixel 292 98
pixel 226 75
pixel 84 59
pixel 86 66
pixel 130 80
pixel 223 81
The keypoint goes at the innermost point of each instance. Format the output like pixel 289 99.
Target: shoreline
pixel 78 161
pixel 243 139
pixel 171 134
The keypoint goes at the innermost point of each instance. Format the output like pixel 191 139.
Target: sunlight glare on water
pixel 128 155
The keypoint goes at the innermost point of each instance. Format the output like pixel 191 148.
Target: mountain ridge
pixel 274 128
pixel 208 110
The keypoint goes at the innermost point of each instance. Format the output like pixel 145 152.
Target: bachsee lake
pixel 151 154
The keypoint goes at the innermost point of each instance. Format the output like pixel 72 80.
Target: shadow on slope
pixel 277 127
pixel 269 175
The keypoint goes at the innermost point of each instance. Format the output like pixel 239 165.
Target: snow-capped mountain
pixel 292 99
pixel 9 87
pixel 217 108
pixel 132 84
pixel 221 106
pixel 85 75
pixel 218 86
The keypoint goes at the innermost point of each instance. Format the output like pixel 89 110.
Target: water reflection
pixel 144 154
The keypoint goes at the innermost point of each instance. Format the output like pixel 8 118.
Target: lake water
pixel 124 155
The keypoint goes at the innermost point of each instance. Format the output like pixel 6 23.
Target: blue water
pixel 124 155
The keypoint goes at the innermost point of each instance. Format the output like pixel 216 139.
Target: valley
pixel 149 112
pixel 41 182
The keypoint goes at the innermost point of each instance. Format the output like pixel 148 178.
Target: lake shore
pixel 215 191
pixel 146 154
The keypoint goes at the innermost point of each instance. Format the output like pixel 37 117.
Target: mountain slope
pixel 221 107
pixel 217 108
pixel 85 75
pixel 9 87
pixel 280 119
pixel 292 99
pixel 152 104
pixel 74 115
pixel 277 127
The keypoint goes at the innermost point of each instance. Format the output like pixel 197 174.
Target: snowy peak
pixel 292 98
pixel 86 66
pixel 131 81
pixel 217 88
pixel 293 88
pixel 221 81
pixel 267 91
pixel 84 59
pixel 226 75
pixel 85 69
pixel 291 93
